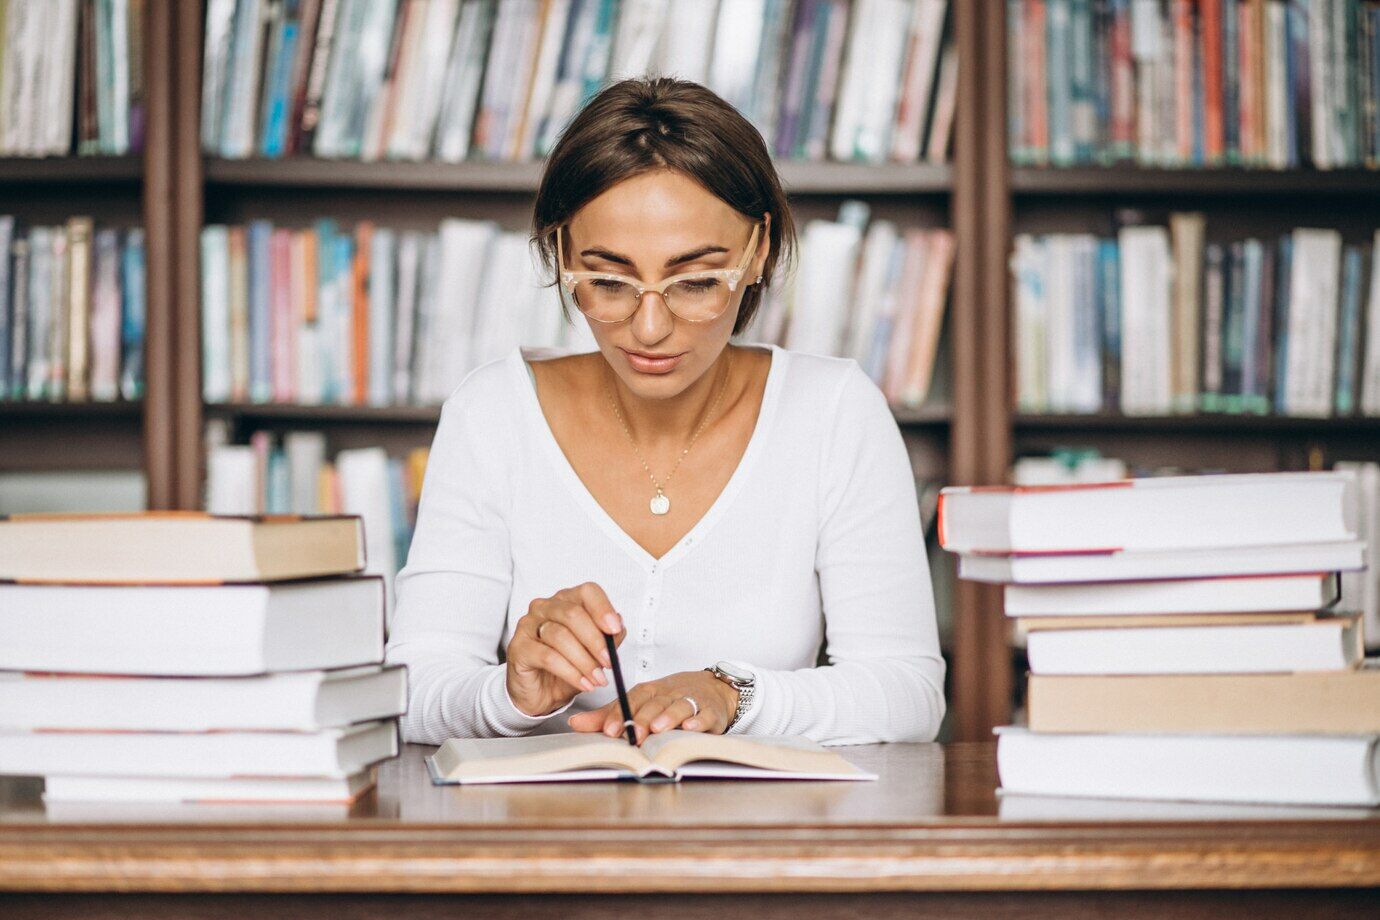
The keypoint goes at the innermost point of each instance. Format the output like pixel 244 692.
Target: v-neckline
pixel 527 383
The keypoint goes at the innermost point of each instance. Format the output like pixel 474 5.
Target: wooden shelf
pixel 1116 181
pixel 74 410
pixel 500 176
pixel 362 415
pixel 70 171
pixel 927 415
pixel 1236 425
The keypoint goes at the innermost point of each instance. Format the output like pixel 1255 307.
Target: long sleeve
pixel 885 678
pixel 453 594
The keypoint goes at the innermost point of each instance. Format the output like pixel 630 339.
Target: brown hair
pixel 638 125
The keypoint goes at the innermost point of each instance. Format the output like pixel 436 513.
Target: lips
pixel 652 364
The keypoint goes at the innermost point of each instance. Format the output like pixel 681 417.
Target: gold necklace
pixel 660 503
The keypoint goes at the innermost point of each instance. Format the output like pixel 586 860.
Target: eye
pixel 701 284
pixel 608 284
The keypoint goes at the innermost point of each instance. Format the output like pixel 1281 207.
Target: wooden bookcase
pixel 970 437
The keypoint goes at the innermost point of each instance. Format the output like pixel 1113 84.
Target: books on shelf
pixel 71 78
pixel 1275 84
pixel 170 683
pixel 378 317
pixel 870 81
pixel 1186 688
pixel 72 303
pixel 1159 322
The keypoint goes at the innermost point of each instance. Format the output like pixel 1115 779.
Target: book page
pixel 786 753
pixel 471 758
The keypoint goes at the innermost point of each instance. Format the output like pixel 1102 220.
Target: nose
pixel 653 320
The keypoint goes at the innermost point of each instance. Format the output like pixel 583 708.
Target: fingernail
pixel 612 623
pixel 692 724
pixel 611 731
pixel 658 725
pixel 604 657
pixel 600 679
pixel 584 682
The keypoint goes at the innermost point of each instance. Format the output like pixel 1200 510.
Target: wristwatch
pixel 740 678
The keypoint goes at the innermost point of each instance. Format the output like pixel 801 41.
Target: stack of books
pixel 872 80
pixel 1181 638
pixel 71 311
pixel 1275 84
pixel 1159 321
pixel 186 657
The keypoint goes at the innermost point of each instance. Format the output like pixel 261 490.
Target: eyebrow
pixel 675 260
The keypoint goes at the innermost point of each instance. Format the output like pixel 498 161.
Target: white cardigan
pixel 816 536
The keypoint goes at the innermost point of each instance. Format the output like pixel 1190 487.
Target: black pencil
pixel 622 693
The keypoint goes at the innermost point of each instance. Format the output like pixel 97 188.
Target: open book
pixel 667 757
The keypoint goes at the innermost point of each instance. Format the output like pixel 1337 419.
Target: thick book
pixel 1327 644
pixel 292 701
pixel 1281 769
pixel 177 547
pixel 1320 702
pixel 1156 513
pixel 237 790
pixel 1249 594
pixel 667 757
pixel 192 630
pixel 334 752
pixel 1049 568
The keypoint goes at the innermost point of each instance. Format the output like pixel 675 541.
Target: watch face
pixel 736 672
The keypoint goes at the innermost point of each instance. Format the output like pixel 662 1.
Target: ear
pixel 763 247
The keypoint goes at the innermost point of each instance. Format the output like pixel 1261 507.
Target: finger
pixel 637 696
pixel 561 638
pixel 578 619
pixel 597 603
pixel 591 721
pixel 650 710
pixel 539 656
pixel 673 716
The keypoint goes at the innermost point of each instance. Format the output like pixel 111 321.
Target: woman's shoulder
pixel 823 382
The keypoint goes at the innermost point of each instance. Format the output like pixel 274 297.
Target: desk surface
pixel 930 823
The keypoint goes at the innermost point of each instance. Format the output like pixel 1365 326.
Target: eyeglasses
pixel 695 297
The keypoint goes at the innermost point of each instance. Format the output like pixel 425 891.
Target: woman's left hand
pixel 661 705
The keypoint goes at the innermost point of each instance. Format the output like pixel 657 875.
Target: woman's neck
pixel 676 418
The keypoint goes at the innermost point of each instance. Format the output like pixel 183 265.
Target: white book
pixel 42 323
pixel 306 457
pixel 391 112
pixel 383 246
pixel 505 299
pixel 1302 769
pixel 737 48
pixel 1328 644
pixel 1016 807
pixel 637 37
pixel 878 250
pixel 1370 392
pixel 464 74
pixel 824 287
pixel 1361 590
pixel 1314 295
pixel 215 314
pixel 1277 89
pixel 242 80
pixel 515 83
pixel 425 81
pixel 105 316
pixel 553 37
pixel 882 73
pixel 364 490
pixel 1147 275
pixel 306 382
pixel 10 72
pixel 688 39
pixel 863 23
pixel 220 15
pixel 1255 594
pixel 1320 57
pixel 1028 269
pixel 291 701
pixel 72 797
pixel 59 79
pixel 926 36
pixel 465 248
pixel 1158 564
pixel 1060 334
pixel 119 73
pixel 30 53
pixel 232 480
pixel 368 67
pixel 332 752
pixel 410 246
pixel 192 629
pixel 1155 513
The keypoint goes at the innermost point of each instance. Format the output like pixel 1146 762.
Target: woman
pixel 719 509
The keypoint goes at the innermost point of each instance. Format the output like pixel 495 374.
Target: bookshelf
pixel 969 434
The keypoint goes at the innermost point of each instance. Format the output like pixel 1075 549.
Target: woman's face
pixel 645 227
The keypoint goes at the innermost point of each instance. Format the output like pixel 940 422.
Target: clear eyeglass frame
pixel 731 276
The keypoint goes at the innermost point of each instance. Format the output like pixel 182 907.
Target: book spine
pixel 79 231
pixel 132 296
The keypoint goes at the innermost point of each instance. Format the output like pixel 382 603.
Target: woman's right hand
pixel 558 649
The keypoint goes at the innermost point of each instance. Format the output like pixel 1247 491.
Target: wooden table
pixel 925 840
